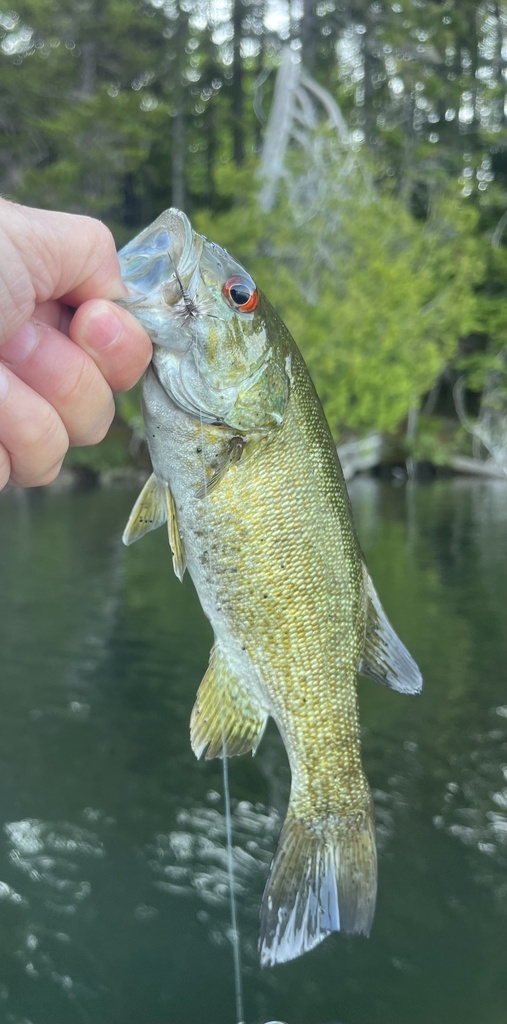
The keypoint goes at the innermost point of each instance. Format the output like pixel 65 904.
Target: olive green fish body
pixel 247 476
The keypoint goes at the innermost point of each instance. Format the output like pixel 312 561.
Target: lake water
pixel 113 880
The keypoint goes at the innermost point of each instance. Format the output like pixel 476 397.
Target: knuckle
pixel 100 244
pixel 43 434
pixel 51 434
pixel 35 477
pixel 100 428
pixel 94 430
pixel 86 402
pixel 80 380
pixel 50 475
pixel 98 231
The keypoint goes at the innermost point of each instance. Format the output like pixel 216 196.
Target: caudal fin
pixel 322 880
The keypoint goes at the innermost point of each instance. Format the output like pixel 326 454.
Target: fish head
pixel 219 348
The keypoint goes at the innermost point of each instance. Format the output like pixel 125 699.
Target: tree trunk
pixel 178 157
pixel 211 148
pixel 87 70
pixel 309 34
pixel 130 201
pixel 238 130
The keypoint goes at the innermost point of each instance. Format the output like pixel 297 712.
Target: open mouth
pixel 160 266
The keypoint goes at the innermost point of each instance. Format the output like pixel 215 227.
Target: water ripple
pixel 192 859
pixel 52 855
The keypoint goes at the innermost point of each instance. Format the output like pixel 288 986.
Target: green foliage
pixel 376 300
pixel 120 108
pixel 490 307
pixel 437 439
pixel 96 144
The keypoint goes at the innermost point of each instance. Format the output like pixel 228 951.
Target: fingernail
pixel 103 329
pixel 21 344
pixel 4 384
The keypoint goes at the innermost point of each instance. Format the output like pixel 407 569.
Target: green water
pixel 113 879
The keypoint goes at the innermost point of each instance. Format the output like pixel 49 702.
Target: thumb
pixel 48 255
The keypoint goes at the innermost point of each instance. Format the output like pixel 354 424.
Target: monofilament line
pixel 238 985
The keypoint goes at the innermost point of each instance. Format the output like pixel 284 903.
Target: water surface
pixel 113 881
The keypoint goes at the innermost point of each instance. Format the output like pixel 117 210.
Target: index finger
pixel 47 255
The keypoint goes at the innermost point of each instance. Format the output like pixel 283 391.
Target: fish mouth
pixel 160 266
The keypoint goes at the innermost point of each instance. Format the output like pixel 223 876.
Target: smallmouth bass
pixel 246 475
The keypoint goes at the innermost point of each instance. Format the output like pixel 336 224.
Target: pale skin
pixel 65 347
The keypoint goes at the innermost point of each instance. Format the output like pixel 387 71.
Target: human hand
pixel 59 368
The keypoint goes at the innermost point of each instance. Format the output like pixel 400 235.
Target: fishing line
pixel 191 310
pixel 238 985
pixel 236 952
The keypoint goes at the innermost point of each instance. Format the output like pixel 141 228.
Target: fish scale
pixel 270 545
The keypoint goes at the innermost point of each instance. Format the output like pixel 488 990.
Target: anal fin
pixel 225 713
pixel 385 659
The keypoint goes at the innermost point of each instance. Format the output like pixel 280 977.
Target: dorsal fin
pixel 385 659
pixel 225 711
pixel 154 507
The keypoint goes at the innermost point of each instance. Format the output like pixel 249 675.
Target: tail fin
pixel 323 879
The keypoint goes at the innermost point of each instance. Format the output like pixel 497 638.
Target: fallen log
pixel 475 467
pixel 360 456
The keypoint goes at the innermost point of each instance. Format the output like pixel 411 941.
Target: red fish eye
pixel 241 294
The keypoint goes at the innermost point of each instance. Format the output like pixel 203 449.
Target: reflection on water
pixel 53 859
pixel 113 875
pixel 474 804
pixel 44 852
pixel 192 859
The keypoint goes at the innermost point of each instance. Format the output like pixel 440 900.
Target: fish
pixel 247 478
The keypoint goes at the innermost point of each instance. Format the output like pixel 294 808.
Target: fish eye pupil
pixel 240 294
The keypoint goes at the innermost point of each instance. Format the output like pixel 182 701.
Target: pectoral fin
pixel 154 507
pixel 234 453
pixel 385 659
pixel 225 714
pixel 149 511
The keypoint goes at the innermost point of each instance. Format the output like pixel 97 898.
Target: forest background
pixel 387 262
